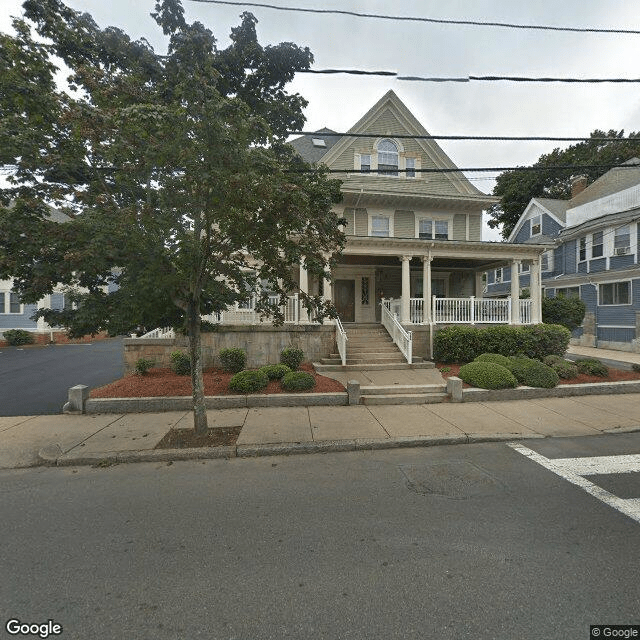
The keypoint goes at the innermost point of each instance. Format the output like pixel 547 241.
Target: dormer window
pixel 365 163
pixel 387 157
pixel 536 226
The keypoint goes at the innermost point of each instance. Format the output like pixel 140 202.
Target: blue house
pixel 593 243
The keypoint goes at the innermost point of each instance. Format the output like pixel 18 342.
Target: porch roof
pixel 445 253
pixel 395 195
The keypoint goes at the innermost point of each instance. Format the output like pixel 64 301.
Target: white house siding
pixel 404 224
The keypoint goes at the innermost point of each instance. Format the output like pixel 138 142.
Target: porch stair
pixel 369 346
pixel 404 394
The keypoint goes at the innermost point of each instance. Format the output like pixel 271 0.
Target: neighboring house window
pixel 365 163
pixel 582 249
pixel 380 226
pixel 536 226
pixel 622 240
pixel 387 157
pixel 10 303
pixel 568 292
pixel 525 267
pixel 615 293
pixel 411 167
pixel 546 261
pixel 597 245
pixel 1 301
pixel 499 275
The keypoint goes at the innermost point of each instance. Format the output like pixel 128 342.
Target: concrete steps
pixel 392 366
pixel 403 394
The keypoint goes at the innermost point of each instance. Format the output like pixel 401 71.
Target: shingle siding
pixel 362 222
pixel 621 262
pixel 597 265
pixel 549 226
pixel 404 225
pixel 459 231
pixel 475 227
pixel 524 233
pixel 570 257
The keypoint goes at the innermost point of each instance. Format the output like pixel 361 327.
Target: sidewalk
pixel 88 439
pixel 608 356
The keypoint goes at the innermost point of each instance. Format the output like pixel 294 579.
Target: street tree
pixel 182 192
pixel 516 188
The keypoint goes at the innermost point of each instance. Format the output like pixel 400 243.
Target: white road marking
pixel 571 469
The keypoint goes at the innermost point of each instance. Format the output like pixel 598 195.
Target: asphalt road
pixel 35 380
pixel 460 542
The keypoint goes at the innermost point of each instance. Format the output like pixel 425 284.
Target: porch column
pixel 536 292
pixel 426 289
pixel 478 288
pixel 406 290
pixel 304 286
pixel 515 292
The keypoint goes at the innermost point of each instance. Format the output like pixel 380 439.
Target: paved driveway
pixel 35 380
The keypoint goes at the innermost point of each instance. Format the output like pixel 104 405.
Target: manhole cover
pixel 457 480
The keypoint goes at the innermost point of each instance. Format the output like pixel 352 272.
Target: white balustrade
pixel 526 311
pixel 341 340
pixel 402 338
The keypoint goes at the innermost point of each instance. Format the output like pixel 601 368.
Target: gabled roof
pixel 312 152
pixel 616 179
pixel 558 208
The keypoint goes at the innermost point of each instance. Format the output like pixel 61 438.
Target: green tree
pixel 516 188
pixel 568 312
pixel 173 168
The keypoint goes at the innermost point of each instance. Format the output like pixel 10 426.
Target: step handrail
pixel 341 340
pixel 402 337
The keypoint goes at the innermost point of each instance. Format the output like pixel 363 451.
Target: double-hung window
pixel 387 157
pixel 425 229
pixel 365 163
pixel 615 293
pixel 597 244
pixel 411 167
pixel 380 226
pixel 10 303
pixel 442 230
pixel 546 261
pixel 536 226
pixel 582 249
pixel 622 240
pixel 433 229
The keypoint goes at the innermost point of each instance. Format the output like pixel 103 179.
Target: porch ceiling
pixel 439 263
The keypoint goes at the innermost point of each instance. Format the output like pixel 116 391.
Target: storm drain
pixel 456 480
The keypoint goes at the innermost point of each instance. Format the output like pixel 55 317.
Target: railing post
pixel 473 310
pixel 434 310
pixel 296 309
pixel 509 310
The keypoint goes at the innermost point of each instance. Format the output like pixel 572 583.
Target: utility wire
pixel 464 79
pixel 472 23
pixel 326 134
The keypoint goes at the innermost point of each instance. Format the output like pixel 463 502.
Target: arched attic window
pixel 387 157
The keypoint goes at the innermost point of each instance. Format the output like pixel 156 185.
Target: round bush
pixel 592 367
pixel 487 375
pixel 18 337
pixel 298 381
pixel 565 369
pixel 533 373
pixel 496 358
pixel 233 359
pixel 275 371
pixel 292 357
pixel 551 360
pixel 249 381
pixel 180 363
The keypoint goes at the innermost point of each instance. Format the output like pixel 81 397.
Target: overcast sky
pixel 487 108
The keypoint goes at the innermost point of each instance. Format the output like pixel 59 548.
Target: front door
pixel 344 293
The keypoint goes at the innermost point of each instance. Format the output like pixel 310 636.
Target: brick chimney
pixel 578 185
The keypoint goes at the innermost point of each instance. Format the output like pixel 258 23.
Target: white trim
pixel 7 304
pixel 531 233
pixel 621 304
pixel 525 216
pixel 440 217
pixel 617 326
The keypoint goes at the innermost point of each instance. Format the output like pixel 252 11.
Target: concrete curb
pixel 48 454
pixel 184 403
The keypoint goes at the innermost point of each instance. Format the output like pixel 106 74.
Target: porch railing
pixel 341 339
pixel 526 311
pixel 402 338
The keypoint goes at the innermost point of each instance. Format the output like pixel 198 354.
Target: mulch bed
pixel 615 375
pixel 187 438
pixel 163 382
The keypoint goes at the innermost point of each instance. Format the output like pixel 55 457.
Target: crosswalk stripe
pixel 571 468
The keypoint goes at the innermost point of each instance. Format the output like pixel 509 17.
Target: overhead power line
pixel 394 74
pixel 471 23
pixel 323 134
pixel 574 167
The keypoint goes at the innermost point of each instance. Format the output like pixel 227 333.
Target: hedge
pixel 249 381
pixel 462 344
pixel 18 337
pixel 592 367
pixel 233 359
pixel 533 373
pixel 275 371
pixel 298 381
pixel 496 358
pixel 292 357
pixel 487 375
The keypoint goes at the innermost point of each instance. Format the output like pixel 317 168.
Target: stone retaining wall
pixel 262 344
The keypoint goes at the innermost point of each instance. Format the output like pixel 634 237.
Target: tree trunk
pixel 197 383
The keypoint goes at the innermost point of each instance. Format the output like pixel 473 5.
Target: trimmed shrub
pixel 180 363
pixel 569 312
pixel 18 337
pixel 142 366
pixel 551 360
pixel 298 381
pixel 462 344
pixel 592 367
pixel 249 381
pixel 275 371
pixel 487 375
pixel 565 369
pixel 292 357
pixel 233 359
pixel 493 357
pixel 533 373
